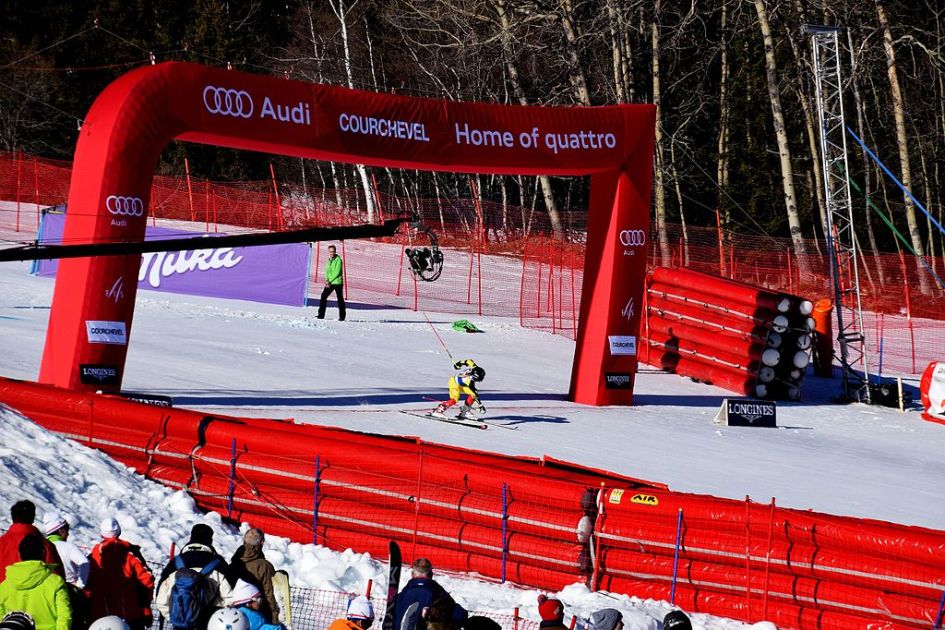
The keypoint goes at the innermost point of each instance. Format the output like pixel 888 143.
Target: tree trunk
pixel 721 174
pixel 858 102
pixel 616 51
pixel 505 23
pixel 784 150
pixel 338 7
pixel 812 140
pixel 902 141
pixel 576 69
pixel 659 185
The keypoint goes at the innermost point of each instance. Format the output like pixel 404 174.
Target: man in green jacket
pixel 31 586
pixel 334 281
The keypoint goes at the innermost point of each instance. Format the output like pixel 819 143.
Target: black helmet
pixel 676 620
pixel 477 374
pixel 17 620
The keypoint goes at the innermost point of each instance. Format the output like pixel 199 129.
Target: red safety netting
pixel 501 259
pixel 542 523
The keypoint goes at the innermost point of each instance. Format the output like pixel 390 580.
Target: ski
pixel 281 590
pixel 473 424
pixel 393 585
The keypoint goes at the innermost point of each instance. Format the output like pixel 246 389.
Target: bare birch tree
pixel 780 131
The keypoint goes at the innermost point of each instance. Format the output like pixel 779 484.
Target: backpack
pixel 190 593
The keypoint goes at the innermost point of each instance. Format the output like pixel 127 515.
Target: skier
pixel 463 384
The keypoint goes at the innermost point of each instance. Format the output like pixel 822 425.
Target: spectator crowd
pixel 47 582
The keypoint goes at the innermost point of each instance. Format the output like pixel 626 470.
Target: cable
pixel 41 102
pixel 438 336
pixel 51 46
pixel 761 230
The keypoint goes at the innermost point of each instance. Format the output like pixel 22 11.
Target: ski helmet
pixel 676 620
pixel 477 374
pixel 227 619
pixel 17 620
pixel 113 622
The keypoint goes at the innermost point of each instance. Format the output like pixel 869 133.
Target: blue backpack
pixel 190 594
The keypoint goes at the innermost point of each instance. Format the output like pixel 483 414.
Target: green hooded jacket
pixel 334 273
pixel 32 586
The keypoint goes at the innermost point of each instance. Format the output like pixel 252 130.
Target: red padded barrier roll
pixel 693 315
pixel 735 606
pixel 705 370
pixel 784 587
pixel 726 290
pixel 741 346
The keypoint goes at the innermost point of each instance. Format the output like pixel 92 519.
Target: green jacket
pixel 31 586
pixel 334 271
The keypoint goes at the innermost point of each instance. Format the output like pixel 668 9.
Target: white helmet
pixel 227 619
pixel 114 622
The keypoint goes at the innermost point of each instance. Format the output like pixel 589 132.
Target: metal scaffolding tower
pixel 841 238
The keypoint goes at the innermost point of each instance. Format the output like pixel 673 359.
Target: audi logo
pixel 228 102
pixel 125 206
pixel 632 238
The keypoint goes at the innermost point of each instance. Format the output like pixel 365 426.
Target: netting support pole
pixel 318 483
pixel 718 224
pixel 938 617
pixel 232 488
pixel 747 558
pixel 764 613
pixel 275 191
pixel 190 190
pixel 505 528
pixel 416 511
pixel 36 186
pixel 521 290
pixel 18 156
pixel 672 588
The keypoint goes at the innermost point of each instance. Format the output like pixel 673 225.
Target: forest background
pixel 732 79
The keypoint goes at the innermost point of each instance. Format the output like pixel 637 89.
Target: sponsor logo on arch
pixel 124 206
pixel 228 102
pixel 632 240
pixel 644 499
pixel 623 345
pixel 224 101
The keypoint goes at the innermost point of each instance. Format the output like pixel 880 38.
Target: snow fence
pixel 537 522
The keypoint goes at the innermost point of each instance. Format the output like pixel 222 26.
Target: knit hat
pixel 110 528
pixel 360 608
pixel 243 593
pixel 53 522
pixel 550 609
pixel 201 534
pixel 606 619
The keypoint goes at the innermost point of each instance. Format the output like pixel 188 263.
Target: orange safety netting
pixel 501 258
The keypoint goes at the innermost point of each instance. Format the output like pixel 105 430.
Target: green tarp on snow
pixel 464 325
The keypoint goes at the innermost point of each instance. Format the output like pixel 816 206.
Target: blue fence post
pixel 229 498
pixel 505 528
pixel 879 370
pixel 318 481
pixel 672 590
pixel 938 617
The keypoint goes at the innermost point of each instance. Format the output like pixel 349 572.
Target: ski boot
pixel 438 412
pixel 465 413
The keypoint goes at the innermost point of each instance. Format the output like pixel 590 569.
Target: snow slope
pixel 274 361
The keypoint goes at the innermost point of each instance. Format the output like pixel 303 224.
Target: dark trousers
pixel 339 292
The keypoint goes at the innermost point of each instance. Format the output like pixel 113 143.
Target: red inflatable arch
pixel 132 121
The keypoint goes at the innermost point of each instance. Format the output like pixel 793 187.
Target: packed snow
pixel 276 361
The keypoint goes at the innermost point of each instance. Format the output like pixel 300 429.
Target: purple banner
pixel 275 274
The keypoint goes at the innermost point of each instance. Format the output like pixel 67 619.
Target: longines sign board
pixel 747 412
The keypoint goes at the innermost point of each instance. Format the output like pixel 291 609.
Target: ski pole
pixel 438 336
